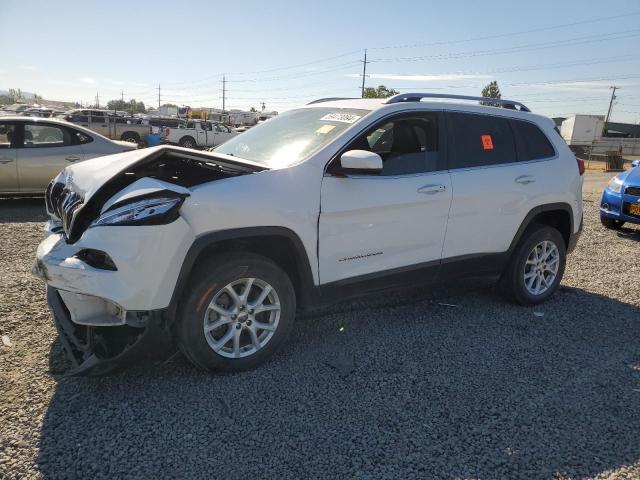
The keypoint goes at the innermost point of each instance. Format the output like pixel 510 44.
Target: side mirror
pixel 635 163
pixel 361 161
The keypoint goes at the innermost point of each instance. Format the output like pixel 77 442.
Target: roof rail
pixel 331 99
pixel 416 97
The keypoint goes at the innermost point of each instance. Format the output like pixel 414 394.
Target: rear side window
pixel 80 137
pixel 7 132
pixel 531 143
pixel 45 136
pixel 481 140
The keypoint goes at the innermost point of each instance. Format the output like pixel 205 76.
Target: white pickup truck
pixel 198 133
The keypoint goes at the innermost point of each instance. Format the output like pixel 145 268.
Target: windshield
pixel 292 136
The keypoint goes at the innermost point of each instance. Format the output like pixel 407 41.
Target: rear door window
pixel 531 142
pixel 45 136
pixel 7 134
pixel 481 140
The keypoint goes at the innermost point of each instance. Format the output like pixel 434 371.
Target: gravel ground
pixel 399 388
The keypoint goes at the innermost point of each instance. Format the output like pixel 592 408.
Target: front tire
pixel 536 267
pixel 237 311
pixel 611 223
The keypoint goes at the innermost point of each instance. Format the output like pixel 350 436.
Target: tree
pixel 169 105
pixel 491 91
pixel 380 92
pixel 253 109
pixel 131 106
pixel 14 95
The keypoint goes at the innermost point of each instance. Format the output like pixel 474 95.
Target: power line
pixel 510 34
pixel 269 70
pixel 613 97
pixel 364 70
pixel 224 92
pixel 517 49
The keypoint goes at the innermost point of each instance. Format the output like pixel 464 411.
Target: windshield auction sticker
pixel 340 117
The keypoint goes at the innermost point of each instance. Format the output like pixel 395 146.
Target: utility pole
pixel 224 93
pixel 158 96
pixel 364 70
pixel 606 122
pixel 122 96
pixel 97 100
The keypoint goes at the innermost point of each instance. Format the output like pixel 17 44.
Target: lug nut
pixel 238 326
pixel 249 322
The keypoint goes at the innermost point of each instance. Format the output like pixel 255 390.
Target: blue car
pixel 621 199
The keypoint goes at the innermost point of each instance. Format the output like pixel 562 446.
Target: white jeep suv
pixel 217 251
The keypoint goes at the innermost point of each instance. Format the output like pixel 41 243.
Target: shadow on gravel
pixel 469 386
pixel 630 234
pixel 14 210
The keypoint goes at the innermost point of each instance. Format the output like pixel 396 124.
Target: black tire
pixel 132 137
pixel 206 281
pixel 611 223
pixel 187 142
pixel 512 283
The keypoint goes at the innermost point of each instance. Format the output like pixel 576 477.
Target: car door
pixel 45 150
pixel 380 223
pixel 98 122
pixel 203 134
pixel 492 190
pixel 224 133
pixel 8 157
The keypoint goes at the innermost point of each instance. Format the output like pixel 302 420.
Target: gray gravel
pixel 399 388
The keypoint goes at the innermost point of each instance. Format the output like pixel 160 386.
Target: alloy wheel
pixel 242 318
pixel 541 267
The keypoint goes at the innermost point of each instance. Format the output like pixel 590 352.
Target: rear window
pixel 531 143
pixel 481 140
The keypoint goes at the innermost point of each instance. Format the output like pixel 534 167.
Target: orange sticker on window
pixel 487 143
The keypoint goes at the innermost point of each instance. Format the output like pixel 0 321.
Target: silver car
pixel 34 150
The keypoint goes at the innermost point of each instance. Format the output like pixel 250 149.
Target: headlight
pixel 615 185
pixel 150 211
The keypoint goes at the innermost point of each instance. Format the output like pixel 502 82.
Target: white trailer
pixel 582 130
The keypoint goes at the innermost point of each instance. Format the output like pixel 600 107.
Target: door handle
pixel 525 179
pixel 432 189
pixel 72 158
pixel 4 160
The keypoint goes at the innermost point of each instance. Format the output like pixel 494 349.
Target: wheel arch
pixel 557 215
pixel 130 133
pixel 279 244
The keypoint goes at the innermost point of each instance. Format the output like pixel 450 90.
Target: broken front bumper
pixel 97 350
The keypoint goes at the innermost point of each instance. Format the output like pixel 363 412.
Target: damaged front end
pixel 99 350
pixel 113 248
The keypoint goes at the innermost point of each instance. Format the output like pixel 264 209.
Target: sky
pixel 558 57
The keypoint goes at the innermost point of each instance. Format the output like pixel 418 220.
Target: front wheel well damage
pixel 279 245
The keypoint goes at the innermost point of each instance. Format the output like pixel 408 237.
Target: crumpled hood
pixel 82 191
pixel 86 177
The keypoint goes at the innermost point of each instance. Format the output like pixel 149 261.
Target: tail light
pixel 580 165
pixel 167 131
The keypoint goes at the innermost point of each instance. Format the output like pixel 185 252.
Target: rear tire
pixel 210 316
pixel 611 223
pixel 187 142
pixel 131 137
pixel 536 267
